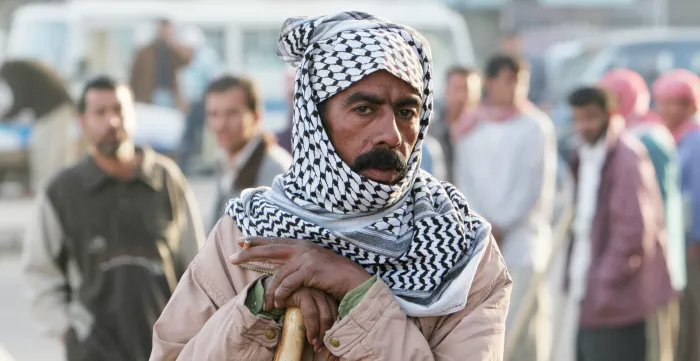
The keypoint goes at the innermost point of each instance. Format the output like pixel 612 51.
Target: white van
pixel 84 38
pixel 105 34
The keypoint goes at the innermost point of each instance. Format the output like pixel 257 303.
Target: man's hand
pixel 320 312
pixel 302 264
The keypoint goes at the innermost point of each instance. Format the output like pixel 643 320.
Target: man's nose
pixel 388 132
pixel 116 121
pixel 216 123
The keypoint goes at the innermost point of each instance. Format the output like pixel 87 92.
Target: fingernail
pixel 277 305
pixel 315 342
pixel 233 257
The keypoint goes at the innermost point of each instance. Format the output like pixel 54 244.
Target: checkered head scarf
pixel 417 235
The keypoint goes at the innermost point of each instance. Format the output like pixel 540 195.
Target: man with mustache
pixel 110 238
pixel 384 261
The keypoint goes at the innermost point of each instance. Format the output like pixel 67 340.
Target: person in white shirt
pixel 505 164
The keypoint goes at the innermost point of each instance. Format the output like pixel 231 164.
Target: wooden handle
pixel 291 344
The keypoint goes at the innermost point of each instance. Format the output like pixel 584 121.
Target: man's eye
pixel 363 110
pixel 407 113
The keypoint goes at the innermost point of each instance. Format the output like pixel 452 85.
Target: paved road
pixel 19 339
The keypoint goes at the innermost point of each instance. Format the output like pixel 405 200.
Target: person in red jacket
pixel 618 281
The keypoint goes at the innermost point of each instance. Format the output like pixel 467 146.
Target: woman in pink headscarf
pixel 632 95
pixel 677 96
pixel 633 99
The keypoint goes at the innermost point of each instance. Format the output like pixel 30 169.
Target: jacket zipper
pixel 259 270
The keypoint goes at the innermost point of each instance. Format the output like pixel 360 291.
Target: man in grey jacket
pixel 251 156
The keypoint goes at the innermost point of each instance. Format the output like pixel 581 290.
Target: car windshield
pixel 45 40
pixel 652 59
pixel 444 54
pixel 573 68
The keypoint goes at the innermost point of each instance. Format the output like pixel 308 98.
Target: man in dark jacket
pixel 617 272
pixel 154 70
pixel 110 237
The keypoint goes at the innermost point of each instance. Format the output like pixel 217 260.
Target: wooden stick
pixel 291 344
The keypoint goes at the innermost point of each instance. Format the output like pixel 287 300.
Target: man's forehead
pixel 383 81
pixel 121 93
pixel 232 97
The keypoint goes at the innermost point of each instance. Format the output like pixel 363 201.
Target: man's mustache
pixel 381 158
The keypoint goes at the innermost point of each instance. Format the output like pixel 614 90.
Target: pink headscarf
pixel 632 95
pixel 679 84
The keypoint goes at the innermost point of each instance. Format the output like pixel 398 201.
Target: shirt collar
pixel 245 153
pixel 93 176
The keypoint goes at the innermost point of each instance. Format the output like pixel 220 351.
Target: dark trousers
pixel 625 343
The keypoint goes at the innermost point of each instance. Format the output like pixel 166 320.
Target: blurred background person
pixel 284 138
pixel 617 252
pixel 462 94
pixel 204 67
pixel 632 99
pixel 433 160
pixel 505 164
pixel 511 43
pixel 154 71
pixel 37 89
pixel 251 157
pixel 677 95
pixel 110 237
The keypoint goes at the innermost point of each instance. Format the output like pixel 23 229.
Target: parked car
pixel 650 52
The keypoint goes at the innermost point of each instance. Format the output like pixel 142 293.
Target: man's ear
pixel 258 115
pixel 81 121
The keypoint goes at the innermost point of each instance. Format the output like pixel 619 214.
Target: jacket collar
pixel 685 128
pixel 612 138
pixel 93 176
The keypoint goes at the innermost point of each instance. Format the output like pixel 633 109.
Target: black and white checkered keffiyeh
pixel 417 235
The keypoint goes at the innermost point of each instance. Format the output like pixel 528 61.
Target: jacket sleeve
pixel 634 201
pixel 694 182
pixel 377 328
pixel 44 277
pixel 538 170
pixel 192 235
pixel 201 323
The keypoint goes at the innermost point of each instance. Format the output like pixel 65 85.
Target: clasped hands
pixel 308 276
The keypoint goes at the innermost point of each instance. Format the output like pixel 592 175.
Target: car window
pixel 652 59
pixel 260 50
pixel 444 56
pixel 44 40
